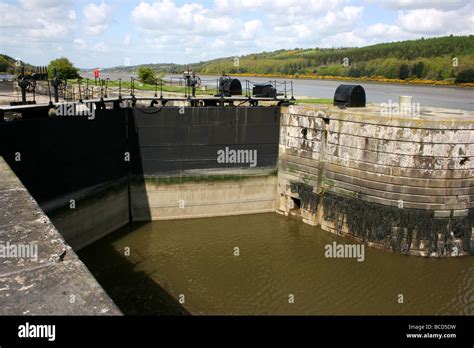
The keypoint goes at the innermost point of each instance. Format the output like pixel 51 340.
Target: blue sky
pixel 130 32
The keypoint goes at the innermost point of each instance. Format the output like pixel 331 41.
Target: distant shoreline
pixel 413 82
pixel 417 82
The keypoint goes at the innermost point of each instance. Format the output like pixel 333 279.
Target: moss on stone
pixel 200 178
pixel 309 199
pixel 391 226
pixel 395 227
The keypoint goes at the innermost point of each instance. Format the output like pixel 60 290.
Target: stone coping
pixel 48 278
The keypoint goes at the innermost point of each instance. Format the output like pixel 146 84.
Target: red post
pixel 96 75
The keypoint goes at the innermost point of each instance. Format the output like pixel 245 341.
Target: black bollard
pixel 23 84
pixel 55 83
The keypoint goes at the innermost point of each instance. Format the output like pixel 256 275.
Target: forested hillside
pixel 443 58
pixel 9 65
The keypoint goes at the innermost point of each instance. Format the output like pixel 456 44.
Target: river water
pixel 279 268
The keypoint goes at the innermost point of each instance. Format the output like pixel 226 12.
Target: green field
pixel 314 101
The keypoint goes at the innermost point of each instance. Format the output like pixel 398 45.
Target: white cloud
pixel 29 12
pixel 95 29
pixel 11 16
pixel 218 44
pixel 381 32
pixel 316 30
pixel 433 21
pixel 164 16
pixel 127 40
pixel 43 4
pixel 100 47
pixel 41 29
pixel 49 10
pixel 340 21
pixel 79 43
pixel 288 12
pixel 96 18
pixel 226 6
pixel 72 15
pixel 252 28
pixel 417 4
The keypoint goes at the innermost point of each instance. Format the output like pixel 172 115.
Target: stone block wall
pixel 405 183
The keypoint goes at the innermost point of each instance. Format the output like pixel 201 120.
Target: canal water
pixel 268 264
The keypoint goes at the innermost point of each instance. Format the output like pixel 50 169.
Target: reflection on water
pixel 278 257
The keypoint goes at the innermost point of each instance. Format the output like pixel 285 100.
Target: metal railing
pixel 77 90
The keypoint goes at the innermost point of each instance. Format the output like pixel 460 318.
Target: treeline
pixel 64 68
pixel 11 66
pixel 7 64
pixel 443 58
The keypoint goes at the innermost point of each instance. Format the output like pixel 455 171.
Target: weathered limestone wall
pixel 40 283
pixel 204 195
pixel 366 175
pixel 85 216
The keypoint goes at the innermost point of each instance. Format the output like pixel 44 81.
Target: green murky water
pixel 279 257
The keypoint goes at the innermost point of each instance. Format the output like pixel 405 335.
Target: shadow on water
pixel 133 291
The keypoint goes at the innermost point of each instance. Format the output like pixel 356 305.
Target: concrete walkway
pixel 39 273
